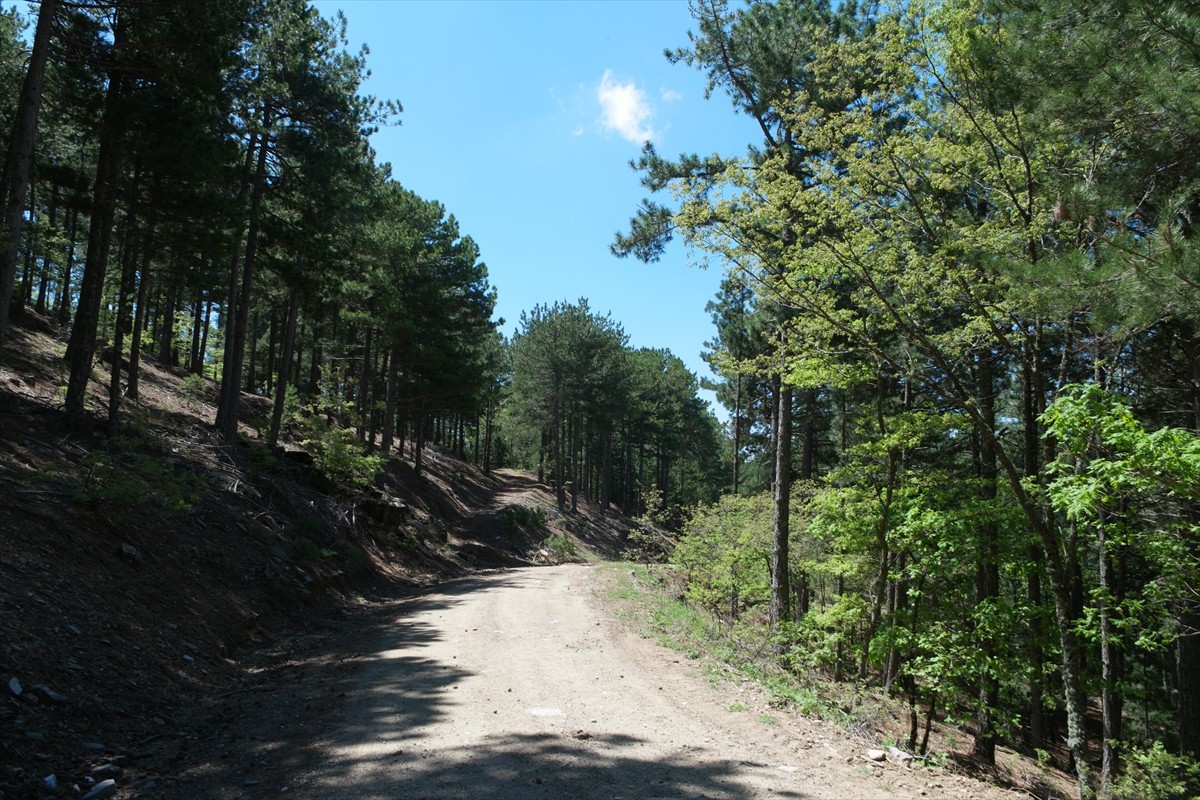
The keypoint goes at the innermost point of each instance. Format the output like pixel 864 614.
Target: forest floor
pixel 187 624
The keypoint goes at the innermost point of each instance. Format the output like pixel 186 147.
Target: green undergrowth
pixel 650 597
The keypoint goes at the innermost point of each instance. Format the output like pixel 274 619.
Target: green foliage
pixel 724 553
pixel 1152 773
pixel 561 548
pixel 194 390
pixel 309 552
pixel 647 541
pixel 515 517
pixel 339 455
pixel 124 476
pixel 1139 485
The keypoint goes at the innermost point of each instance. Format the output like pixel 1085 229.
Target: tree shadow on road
pixel 542 765
pixel 319 727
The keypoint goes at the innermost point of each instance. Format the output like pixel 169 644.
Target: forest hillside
pixel 145 577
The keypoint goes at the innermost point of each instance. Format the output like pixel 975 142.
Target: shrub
pixel 560 547
pixel 339 455
pixel 515 517
pixel 193 390
pixel 1154 774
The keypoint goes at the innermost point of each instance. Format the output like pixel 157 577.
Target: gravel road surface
pixel 518 684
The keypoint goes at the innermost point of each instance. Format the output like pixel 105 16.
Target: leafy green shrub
pixel 560 547
pixel 123 478
pixel 1154 774
pixel 724 553
pixel 648 540
pixel 516 517
pixel 339 455
pixel 309 552
pixel 193 390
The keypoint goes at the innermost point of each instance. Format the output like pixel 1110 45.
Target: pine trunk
pixel 239 309
pixel 18 162
pixel 82 344
pixel 780 607
pixel 289 340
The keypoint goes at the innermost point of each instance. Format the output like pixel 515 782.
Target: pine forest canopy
pixel 956 337
pixel 960 311
pixel 277 257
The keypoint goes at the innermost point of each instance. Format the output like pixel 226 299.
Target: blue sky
pixel 521 118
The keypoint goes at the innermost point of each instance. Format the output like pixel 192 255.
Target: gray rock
pixel 93 746
pixel 131 552
pixel 42 690
pixel 876 755
pixel 102 789
pixel 14 686
pixel 108 771
pixel 899 755
pixel 50 781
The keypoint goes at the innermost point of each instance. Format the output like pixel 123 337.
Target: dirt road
pixel 517 684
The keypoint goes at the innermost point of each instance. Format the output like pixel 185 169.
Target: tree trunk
pixel 252 362
pixel 314 362
pixel 272 344
pixel 987 576
pixel 128 259
pixel 1033 389
pixel 780 608
pixel 207 323
pixel 82 344
pixel 193 360
pixel 737 432
pixel 606 468
pixel 1187 681
pixel 289 340
pixel 556 424
pixel 44 275
pixel 166 327
pixel 1112 653
pixel 418 441
pixel 364 384
pixel 62 312
pixel 18 160
pixel 487 436
pixel 139 323
pixel 393 389
pixel 239 308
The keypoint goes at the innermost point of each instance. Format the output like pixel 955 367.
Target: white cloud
pixel 670 95
pixel 625 109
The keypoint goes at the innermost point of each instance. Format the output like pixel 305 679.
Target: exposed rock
pixel 93 746
pixel 385 510
pixel 50 781
pixel 131 552
pixel 109 770
pixel 899 756
pixel 42 690
pixel 876 755
pixel 105 788
pixel 14 686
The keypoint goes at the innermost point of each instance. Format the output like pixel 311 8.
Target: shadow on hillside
pixel 374 748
